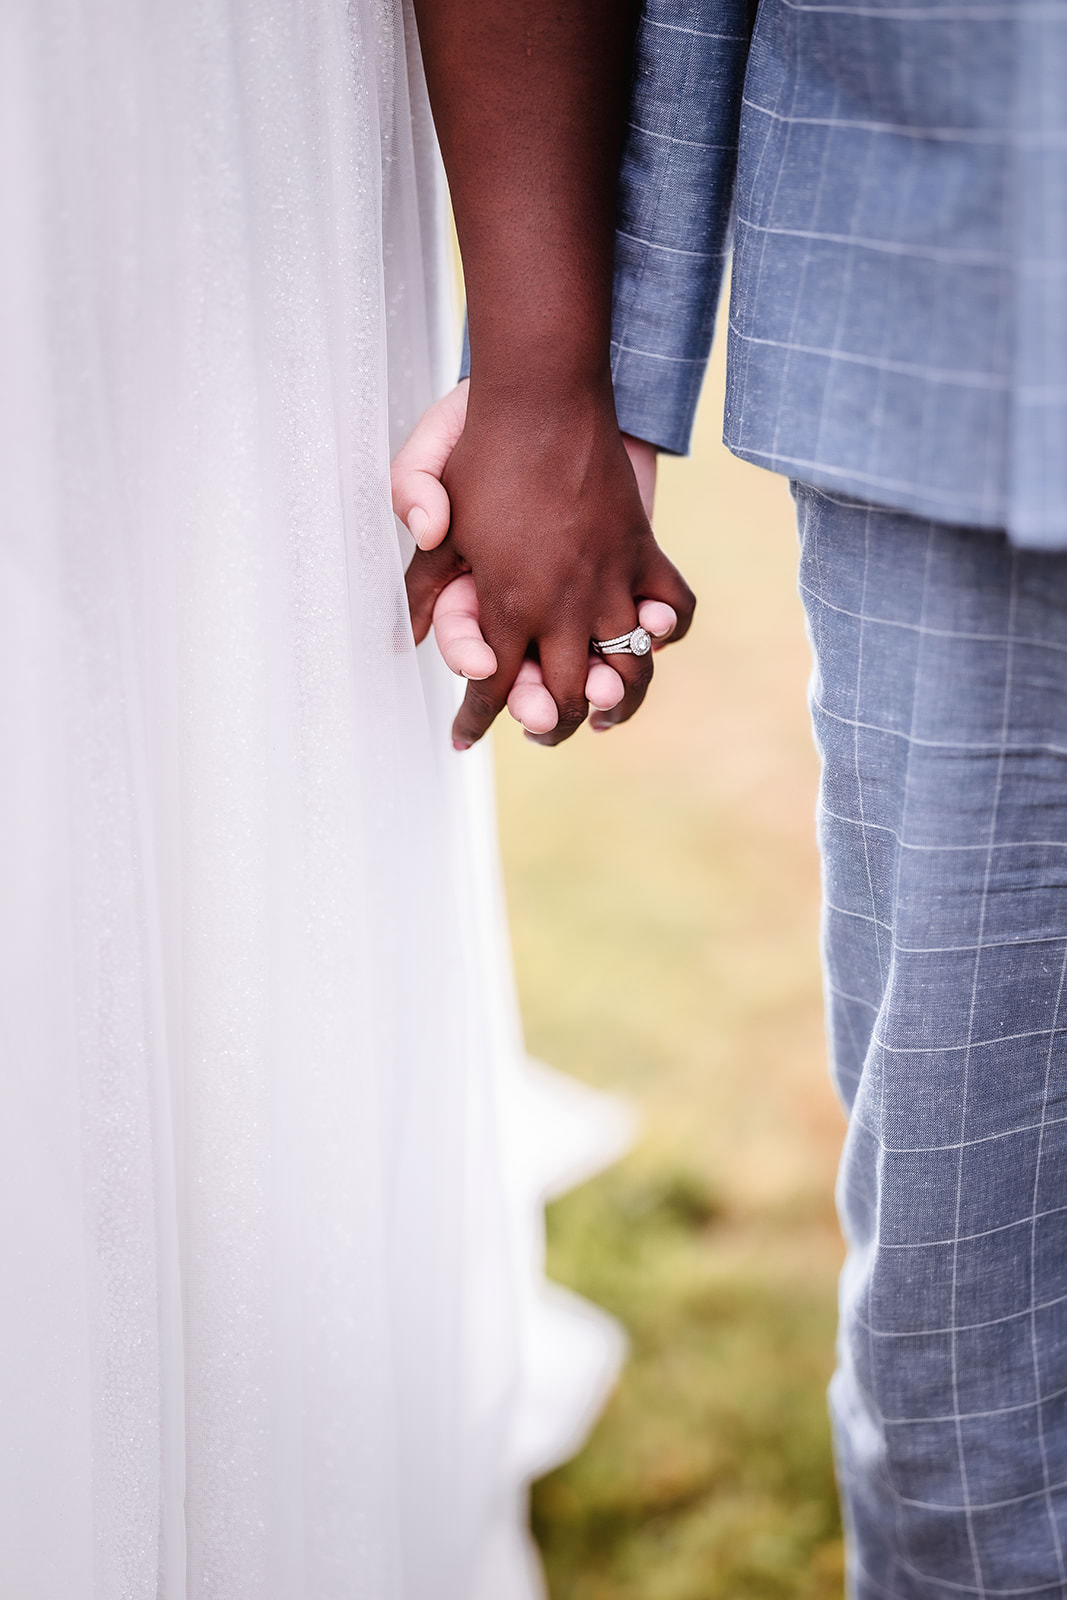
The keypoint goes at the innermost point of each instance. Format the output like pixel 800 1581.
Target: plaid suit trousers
pixel 939 699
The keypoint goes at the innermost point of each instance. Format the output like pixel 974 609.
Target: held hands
pixel 533 541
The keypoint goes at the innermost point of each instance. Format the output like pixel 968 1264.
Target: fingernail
pixel 600 727
pixel 461 744
pixel 418 522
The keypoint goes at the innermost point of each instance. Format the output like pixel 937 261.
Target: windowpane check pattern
pixel 939 699
pixel 897 174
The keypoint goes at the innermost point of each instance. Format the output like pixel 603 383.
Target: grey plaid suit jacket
pixel 896 176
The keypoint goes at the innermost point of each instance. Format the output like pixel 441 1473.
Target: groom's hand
pixel 418 498
pixel 421 502
pixel 530 101
pixel 460 641
pixel 547 518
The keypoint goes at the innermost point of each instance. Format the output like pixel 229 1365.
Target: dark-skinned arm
pixel 529 100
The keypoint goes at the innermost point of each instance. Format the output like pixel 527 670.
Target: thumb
pixel 429 572
pixel 419 498
pixel 420 501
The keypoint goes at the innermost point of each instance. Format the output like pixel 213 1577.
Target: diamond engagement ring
pixel 637 643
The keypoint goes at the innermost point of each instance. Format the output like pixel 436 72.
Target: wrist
pixel 545 395
pixel 542 343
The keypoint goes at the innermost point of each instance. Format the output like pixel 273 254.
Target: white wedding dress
pixel 272 1322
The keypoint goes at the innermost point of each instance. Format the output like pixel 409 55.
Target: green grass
pixel 663 892
pixel 709 1475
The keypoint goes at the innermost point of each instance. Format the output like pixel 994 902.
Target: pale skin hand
pixel 420 500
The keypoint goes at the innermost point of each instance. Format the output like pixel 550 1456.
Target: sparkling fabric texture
pixel 270 1158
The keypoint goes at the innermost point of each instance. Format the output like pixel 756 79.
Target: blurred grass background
pixel 662 884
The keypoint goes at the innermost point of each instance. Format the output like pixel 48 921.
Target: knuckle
pixel 509 608
pixel 634 697
pixel 569 717
pixel 440 565
pixel 572 712
pixel 479 703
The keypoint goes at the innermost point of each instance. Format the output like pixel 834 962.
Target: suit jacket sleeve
pixel 675 193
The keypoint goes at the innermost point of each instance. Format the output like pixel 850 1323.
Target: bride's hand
pixel 460 641
pixel 421 500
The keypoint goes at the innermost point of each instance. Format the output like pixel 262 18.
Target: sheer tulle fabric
pixel 270 1159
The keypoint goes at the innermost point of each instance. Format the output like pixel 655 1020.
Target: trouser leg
pixel 940 709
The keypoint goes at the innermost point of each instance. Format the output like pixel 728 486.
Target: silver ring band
pixel 636 643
